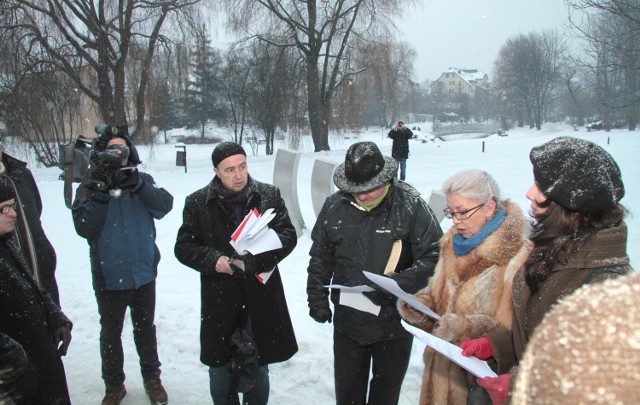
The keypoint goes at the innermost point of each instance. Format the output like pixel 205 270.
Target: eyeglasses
pixel 5 209
pixel 462 215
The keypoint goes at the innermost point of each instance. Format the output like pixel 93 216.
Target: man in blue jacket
pixel 117 219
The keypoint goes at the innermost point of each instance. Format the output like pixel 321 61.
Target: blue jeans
pixel 402 164
pixel 220 377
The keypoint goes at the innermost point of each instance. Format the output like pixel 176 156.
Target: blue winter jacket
pixel 121 233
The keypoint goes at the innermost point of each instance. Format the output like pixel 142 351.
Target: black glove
pixel 380 298
pixel 126 177
pixel 103 176
pixel 321 315
pixel 63 338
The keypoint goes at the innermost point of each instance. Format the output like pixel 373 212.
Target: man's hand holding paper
pixel 389 285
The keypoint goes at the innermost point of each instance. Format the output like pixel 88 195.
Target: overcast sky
pixel 469 33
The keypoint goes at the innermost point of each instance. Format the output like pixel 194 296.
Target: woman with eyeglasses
pixel 471 287
pixel 579 237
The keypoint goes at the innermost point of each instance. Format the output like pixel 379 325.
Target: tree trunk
pixel 319 110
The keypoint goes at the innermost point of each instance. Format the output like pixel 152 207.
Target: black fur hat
pixel 577 174
pixel 364 169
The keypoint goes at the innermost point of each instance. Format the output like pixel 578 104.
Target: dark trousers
pixel 112 307
pixel 351 369
pixel 220 378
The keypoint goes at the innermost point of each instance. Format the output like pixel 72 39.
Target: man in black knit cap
pixel 235 295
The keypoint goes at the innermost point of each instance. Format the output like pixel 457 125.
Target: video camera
pixel 110 131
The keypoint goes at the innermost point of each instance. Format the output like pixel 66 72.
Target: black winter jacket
pixel 400 146
pixel 347 240
pixel 30 212
pixel 121 233
pixel 203 237
pixel 28 317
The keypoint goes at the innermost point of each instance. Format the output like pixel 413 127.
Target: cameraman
pixel 117 219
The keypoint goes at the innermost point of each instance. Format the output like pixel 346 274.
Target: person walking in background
pixel 117 219
pixel 41 255
pixel 34 332
pixel 238 292
pixel 471 288
pixel 379 225
pixel 400 147
pixel 579 236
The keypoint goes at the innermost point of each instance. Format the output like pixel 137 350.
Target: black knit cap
pixel 364 169
pixel 577 174
pixel 7 191
pixel 224 150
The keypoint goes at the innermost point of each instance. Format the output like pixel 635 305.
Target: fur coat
pixel 472 293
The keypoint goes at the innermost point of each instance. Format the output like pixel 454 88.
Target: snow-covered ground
pixel 308 376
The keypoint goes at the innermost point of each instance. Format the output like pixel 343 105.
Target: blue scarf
pixel 462 246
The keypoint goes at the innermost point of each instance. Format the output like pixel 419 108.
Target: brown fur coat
pixel 472 293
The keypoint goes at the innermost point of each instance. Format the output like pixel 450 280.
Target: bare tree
pixel 612 31
pixel 36 104
pixel 527 68
pixel 91 42
pixel 268 95
pixel 321 31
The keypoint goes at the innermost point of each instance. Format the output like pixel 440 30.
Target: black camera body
pixel 112 130
pixel 109 173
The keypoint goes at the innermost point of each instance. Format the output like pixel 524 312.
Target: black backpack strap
pixel 601 270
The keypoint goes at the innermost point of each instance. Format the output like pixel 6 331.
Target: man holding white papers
pixel 379 225
pixel 239 290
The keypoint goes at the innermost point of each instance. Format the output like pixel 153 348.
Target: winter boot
pixel 156 392
pixel 113 395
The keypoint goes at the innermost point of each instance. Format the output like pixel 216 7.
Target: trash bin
pixel 181 158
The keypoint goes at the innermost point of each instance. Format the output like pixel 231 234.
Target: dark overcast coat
pixel 400 146
pixel 203 237
pixel 31 210
pixel 29 317
pixel 348 240
pixel 606 248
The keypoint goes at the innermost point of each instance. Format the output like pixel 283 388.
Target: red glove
pixel 480 348
pixel 496 387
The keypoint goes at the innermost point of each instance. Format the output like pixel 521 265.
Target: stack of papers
pixel 353 297
pixel 254 236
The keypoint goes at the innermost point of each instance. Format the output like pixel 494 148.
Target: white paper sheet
pixel 253 235
pixel 475 366
pixel 353 297
pixel 389 285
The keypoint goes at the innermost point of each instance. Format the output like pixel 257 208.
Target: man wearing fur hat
pixel 34 332
pixel 117 218
pixel 579 237
pixel 379 225
pixel 234 292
